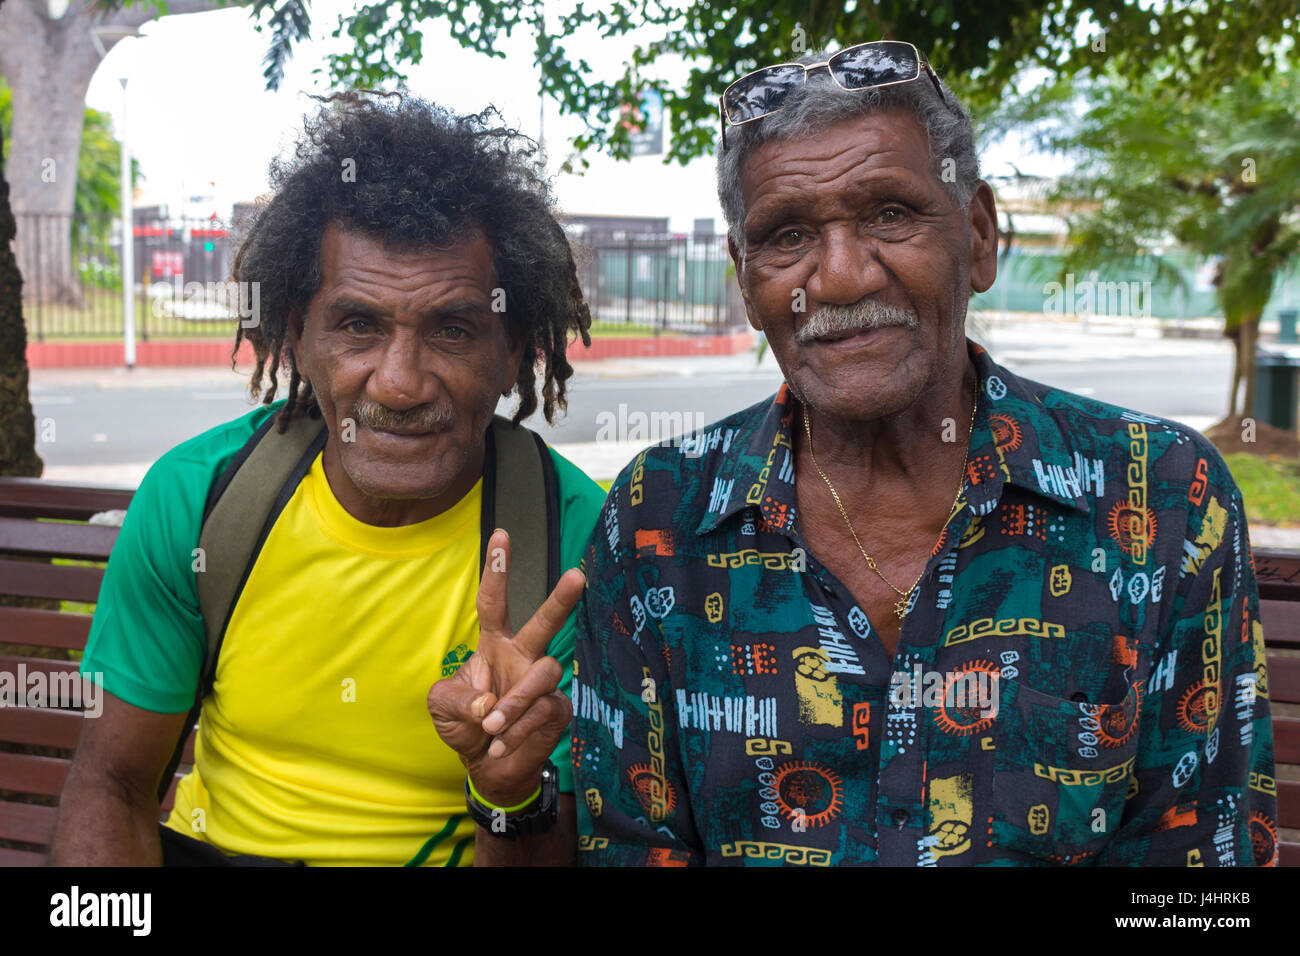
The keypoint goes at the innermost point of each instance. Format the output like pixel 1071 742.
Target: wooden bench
pixel 36 744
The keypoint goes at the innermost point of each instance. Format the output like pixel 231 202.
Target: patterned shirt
pixel 1079 678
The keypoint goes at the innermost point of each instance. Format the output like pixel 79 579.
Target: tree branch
pixel 140 13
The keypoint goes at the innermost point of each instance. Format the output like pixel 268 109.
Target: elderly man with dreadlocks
pixel 411 273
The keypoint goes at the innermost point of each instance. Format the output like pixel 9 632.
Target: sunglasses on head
pixel 860 67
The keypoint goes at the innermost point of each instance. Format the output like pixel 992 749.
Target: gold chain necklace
pixel 900 606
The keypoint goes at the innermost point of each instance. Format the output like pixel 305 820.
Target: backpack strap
pixel 518 474
pixel 237 517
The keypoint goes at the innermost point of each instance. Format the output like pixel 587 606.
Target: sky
pixel 201 122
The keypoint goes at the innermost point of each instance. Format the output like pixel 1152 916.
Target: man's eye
pixel 358 326
pixel 789 237
pixel 891 216
pixel 453 332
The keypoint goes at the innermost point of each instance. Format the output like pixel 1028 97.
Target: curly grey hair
pixel 821 103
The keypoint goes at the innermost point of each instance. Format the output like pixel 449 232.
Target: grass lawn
pixel 1269 486
pixel 616 330
pixel 101 318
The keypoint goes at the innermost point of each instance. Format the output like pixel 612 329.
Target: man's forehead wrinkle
pixel 461 288
pixel 870 140
pixel 811 184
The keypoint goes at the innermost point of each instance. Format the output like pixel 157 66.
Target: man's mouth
pixel 408 431
pixel 841 336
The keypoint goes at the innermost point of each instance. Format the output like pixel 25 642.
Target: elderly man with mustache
pixel 914 610
pixel 411 273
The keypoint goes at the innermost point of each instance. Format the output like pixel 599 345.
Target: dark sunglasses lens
pixel 875 63
pixel 761 93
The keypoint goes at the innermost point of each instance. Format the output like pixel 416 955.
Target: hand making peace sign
pixel 502 712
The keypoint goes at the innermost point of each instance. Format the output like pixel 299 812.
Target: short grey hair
pixel 821 103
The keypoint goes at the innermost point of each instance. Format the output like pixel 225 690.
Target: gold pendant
pixel 900 606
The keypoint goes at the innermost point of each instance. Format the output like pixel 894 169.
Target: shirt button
pixel 900 816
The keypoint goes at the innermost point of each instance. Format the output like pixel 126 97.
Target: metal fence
pixel 660 283
pixel 72 277
pixel 634 283
pixel 72 281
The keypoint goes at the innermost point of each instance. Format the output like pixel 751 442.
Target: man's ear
pixel 983 215
pixel 739 263
pixel 293 335
pixel 514 357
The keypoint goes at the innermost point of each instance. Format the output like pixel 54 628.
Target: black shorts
pixel 180 850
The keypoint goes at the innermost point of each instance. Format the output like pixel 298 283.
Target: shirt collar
pixel 1016 438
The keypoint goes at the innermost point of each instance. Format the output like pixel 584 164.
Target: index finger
pixel 534 636
pixel 493 610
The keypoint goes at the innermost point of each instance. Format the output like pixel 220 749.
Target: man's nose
pixel 402 379
pixel 847 269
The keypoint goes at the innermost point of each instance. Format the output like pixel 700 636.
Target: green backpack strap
pixel 242 506
pixel 520 495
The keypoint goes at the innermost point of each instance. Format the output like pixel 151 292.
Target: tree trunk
pixel 49 69
pixel 1235 391
pixel 49 64
pixel 1246 358
pixel 17 424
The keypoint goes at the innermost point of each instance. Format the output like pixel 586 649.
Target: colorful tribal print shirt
pixel 1079 679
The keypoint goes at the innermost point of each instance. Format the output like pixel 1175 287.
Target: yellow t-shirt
pixel 316 743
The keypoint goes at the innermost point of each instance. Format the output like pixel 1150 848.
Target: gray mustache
pixel 862 316
pixel 424 418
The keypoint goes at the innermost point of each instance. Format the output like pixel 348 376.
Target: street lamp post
pixel 112 34
pixel 128 246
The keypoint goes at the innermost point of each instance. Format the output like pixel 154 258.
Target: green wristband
pixel 492 806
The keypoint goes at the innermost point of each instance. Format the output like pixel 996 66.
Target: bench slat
pixel 1288 854
pixel 1286 740
pixel 44 628
pixel 1277 570
pixel 38 498
pixel 27 823
pixel 40 727
pixel 28 773
pixel 40 580
pixel 1281 621
pixel 9 664
pixel 1283 679
pixel 47 539
pixel 10 858
pixel 1288 803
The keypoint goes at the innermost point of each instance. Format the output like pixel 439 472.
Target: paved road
pixel 108 425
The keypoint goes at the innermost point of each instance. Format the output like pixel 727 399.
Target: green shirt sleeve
pixel 580 503
pixel 146 643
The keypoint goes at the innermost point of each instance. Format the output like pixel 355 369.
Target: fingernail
pixel 479 706
pixel 494 722
pixel 497 749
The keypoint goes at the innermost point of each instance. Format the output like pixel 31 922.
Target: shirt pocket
pixel 1062 770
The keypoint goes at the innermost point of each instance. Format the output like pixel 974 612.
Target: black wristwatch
pixel 538 817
